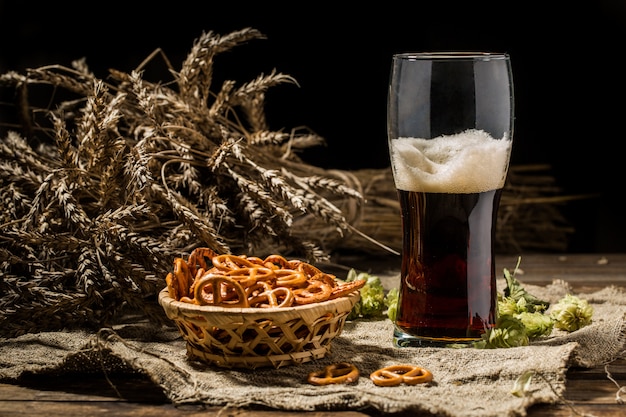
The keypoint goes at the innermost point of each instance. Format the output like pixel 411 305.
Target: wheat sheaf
pixel 102 190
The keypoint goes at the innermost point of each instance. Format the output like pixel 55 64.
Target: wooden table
pixel 589 391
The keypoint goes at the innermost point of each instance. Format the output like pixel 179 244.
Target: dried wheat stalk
pixel 127 174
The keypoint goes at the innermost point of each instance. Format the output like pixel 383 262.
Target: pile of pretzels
pixel 225 280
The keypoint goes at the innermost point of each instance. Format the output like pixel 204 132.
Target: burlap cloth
pixel 467 382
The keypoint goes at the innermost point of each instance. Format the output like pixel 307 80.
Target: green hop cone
pixel 509 332
pixel 508 306
pixel 537 324
pixel 372 301
pixel 571 313
pixel 372 298
pixel 391 301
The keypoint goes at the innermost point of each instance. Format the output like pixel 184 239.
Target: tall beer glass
pixel 450 126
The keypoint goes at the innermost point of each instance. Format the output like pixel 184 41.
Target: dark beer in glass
pixel 450 125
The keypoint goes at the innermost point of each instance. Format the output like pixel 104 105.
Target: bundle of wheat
pixel 119 177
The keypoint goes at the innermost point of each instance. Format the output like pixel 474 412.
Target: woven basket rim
pixel 169 303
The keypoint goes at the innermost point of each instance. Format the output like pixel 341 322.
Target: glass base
pixel 402 340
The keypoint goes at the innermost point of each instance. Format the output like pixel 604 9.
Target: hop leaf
pixel 522 384
pixel 516 291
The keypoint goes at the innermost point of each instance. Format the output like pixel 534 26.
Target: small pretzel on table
pixel 338 373
pixel 394 375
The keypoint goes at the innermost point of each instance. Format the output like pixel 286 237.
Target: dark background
pixel 569 78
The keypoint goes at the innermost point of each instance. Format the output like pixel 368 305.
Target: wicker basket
pixel 258 337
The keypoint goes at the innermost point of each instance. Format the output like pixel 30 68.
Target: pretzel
pixel 250 276
pixel 338 373
pixel 315 292
pixel 172 286
pixel 278 261
pixel 228 262
pixel 346 288
pixel 277 297
pixel 257 289
pixel 178 281
pixel 198 258
pixel 394 375
pixel 218 290
pixel 290 278
pixel 309 270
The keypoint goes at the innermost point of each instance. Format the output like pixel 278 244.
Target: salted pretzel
pixel 394 375
pixel 241 281
pixel 338 373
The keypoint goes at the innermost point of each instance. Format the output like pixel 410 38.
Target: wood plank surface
pixel 596 391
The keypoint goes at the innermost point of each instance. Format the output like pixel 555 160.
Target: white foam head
pixel 468 162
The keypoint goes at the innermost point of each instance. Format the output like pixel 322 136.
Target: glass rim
pixel 451 55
